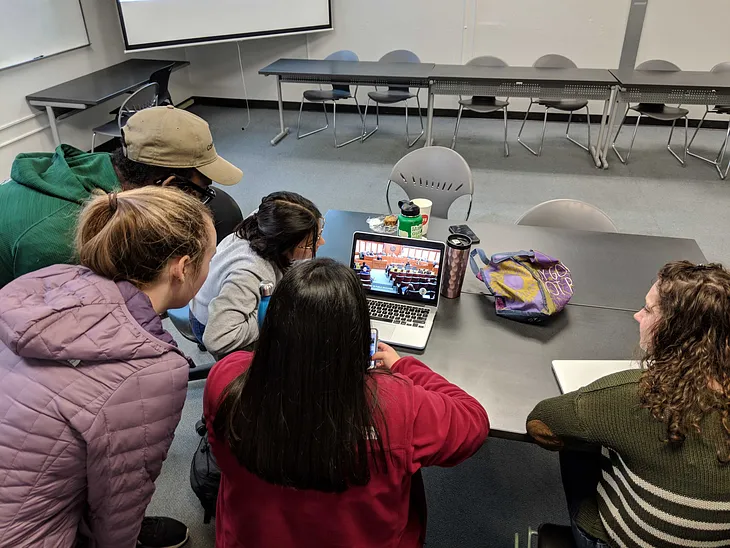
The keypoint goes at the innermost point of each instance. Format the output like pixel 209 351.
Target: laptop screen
pixel 398 268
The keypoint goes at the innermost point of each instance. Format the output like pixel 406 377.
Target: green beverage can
pixel 410 221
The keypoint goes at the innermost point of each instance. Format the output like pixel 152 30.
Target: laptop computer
pixel 402 278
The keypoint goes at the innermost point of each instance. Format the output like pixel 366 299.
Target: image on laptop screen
pixel 398 267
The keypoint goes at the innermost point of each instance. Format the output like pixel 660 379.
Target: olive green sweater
pixel 650 494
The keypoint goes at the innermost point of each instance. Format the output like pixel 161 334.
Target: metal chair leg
pixel 567 131
pixel 93 140
pixel 620 127
pixel 544 127
pixel 334 125
pixel 682 161
pixel 519 134
pixel 420 117
pixel 456 127
pixel 365 135
pixel 387 196
pixel 506 144
pixel 720 158
pixel 697 130
pixel 299 121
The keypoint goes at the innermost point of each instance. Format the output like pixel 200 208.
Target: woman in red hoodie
pixel 315 448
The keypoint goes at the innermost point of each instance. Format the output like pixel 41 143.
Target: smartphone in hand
pixel 373 345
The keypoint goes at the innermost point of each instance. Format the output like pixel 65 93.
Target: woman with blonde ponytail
pixel 91 385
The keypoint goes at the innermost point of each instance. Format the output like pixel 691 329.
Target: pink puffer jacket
pixel 91 390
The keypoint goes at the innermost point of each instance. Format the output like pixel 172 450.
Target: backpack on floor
pixel 205 476
pixel 527 286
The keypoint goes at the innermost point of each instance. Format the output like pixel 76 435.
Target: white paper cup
pixel 425 206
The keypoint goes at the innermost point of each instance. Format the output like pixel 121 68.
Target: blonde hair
pixel 132 235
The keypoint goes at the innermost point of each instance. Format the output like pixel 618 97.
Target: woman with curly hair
pixel 662 433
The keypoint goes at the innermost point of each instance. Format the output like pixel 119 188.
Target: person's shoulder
pixel 227 369
pixel 620 381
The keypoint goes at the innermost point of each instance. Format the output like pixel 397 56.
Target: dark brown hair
pixel 688 363
pixel 132 235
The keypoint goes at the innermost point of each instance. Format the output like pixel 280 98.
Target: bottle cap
pixel 409 209
pixel 266 288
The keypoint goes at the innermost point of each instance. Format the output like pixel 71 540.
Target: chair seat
pixel 180 318
pixel 660 112
pixel 110 128
pixel 554 536
pixel 483 106
pixel 721 109
pixel 568 105
pixel 319 95
pixel 390 96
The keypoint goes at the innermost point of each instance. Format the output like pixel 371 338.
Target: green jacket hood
pixel 68 173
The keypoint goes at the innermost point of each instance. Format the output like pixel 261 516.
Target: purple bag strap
pixel 472 262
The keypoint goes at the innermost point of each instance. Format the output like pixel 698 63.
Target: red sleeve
pixel 449 426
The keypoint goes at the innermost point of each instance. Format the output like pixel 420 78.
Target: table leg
pixel 283 131
pixel 52 124
pixel 429 118
pixel 615 101
pixel 596 149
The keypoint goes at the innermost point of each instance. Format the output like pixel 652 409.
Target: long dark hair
pixel 282 222
pixel 688 362
pixel 305 414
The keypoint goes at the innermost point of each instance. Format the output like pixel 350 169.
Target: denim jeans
pixel 197 328
pixel 580 471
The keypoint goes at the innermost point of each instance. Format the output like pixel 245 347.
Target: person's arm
pixel 126 446
pixel 556 421
pixel 450 425
pixel 233 315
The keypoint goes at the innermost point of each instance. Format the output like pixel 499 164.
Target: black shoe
pixel 162 533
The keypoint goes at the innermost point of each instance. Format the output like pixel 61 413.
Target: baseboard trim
pixel 440 112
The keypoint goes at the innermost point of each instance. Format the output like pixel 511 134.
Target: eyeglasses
pixel 319 237
pixel 204 194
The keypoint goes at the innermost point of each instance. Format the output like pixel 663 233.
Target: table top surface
pixel 348 69
pixel 682 79
pixel 505 364
pixel 103 85
pixel 608 270
pixel 527 74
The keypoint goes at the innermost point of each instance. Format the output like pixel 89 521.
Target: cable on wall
pixel 243 81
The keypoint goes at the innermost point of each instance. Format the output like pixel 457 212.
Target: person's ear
pixel 180 268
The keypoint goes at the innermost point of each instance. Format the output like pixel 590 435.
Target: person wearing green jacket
pixel 41 201
pixel 661 434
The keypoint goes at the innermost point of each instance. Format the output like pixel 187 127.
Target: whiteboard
pixel 152 24
pixel 34 29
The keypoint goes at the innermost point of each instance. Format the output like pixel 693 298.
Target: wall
pixel 589 31
pixel 106 49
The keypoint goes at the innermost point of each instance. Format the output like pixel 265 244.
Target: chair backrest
pixel 226 214
pixel 555 61
pixel 144 97
pixel 658 64
pixel 486 61
pixel 399 56
pixel 566 213
pixel 342 55
pixel 721 67
pixel 438 174
pixel 162 79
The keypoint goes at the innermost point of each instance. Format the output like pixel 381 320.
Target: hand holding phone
pixel 386 355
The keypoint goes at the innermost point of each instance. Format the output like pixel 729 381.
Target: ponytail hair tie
pixel 113 202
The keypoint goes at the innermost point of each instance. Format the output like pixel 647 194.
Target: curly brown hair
pixel 687 365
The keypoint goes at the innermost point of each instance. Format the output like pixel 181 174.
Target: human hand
pixel 385 356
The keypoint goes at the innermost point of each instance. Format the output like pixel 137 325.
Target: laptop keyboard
pixel 386 311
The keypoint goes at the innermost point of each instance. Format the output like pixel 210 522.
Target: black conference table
pixel 371 73
pixel 506 365
pixel 95 88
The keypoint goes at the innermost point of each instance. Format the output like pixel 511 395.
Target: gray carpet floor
pixel 507 486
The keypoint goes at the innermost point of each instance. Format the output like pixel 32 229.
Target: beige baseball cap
pixel 171 137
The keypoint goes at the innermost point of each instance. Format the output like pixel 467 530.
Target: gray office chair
pixel 554 61
pixel 657 111
pixel 438 174
pixel 717 109
pixel 393 95
pixel 324 96
pixel 143 98
pixel 566 213
pixel 482 104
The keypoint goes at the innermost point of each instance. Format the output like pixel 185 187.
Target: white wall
pixel 444 31
pixel 106 49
